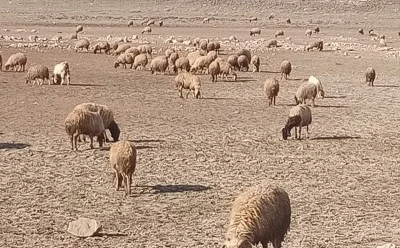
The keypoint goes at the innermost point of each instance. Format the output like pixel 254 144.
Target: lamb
pixel 82 44
pixel 214 69
pixel 361 31
pixel 306 91
pixel 16 59
pixel 125 58
pixel 182 64
pixel 315 44
pixel 233 61
pixel 159 64
pixel 130 23
pixel 317 82
pixel 226 69
pixel 122 48
pixel 370 76
pixel 146 30
pixel 271 90
pixel 255 61
pixel 279 33
pixel 260 214
pixel 316 30
pixel 106 115
pixel 308 32
pixel 103 45
pixel 286 69
pixel 60 73
pixel 84 122
pixel 243 63
pixel 255 31
pixel 299 116
pixel 190 82
pixel 123 161
pixel 1 63
pixel 37 73
pixel 272 43
pixel 79 29
pixel 133 50
pixel 244 52
pixel 140 60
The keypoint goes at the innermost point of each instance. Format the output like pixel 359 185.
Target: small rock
pixel 135 37
pixel 84 227
pixel 346 54
pixel 357 57
pixel 389 245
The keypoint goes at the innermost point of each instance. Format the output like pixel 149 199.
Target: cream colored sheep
pixel 243 63
pixel 169 51
pixel 272 43
pixel 203 62
pixel 192 83
pixel 146 30
pixel 82 44
pixel 214 69
pixel 182 64
pixel 286 69
pixel 279 33
pixel 159 64
pixel 299 116
pixel 193 56
pixel 122 48
pixel 233 61
pixel 260 214
pixel 61 73
pixel 226 69
pixel 145 49
pixel 16 59
pixel 319 45
pixel 271 90
pixel 37 74
pixel 124 59
pixel 123 161
pixel 102 45
pixel 306 91
pixel 140 61
pixel 370 76
pixel 317 82
pixel 308 32
pixel 133 50
pixel 255 31
pixel 114 45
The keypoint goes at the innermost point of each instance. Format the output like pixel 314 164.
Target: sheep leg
pixel 125 179
pixel 308 133
pixel 76 135
pixel 300 132
pixel 274 100
pixel 295 132
pixel 265 244
pixel 313 103
pixel 277 243
pixel 180 92
pixel 131 66
pixel 187 94
pixel 129 182
pixel 91 142
pixel 118 180
pixel 72 142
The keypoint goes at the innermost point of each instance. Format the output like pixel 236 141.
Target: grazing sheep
pixel 361 31
pixel 316 30
pixel 306 91
pixel 203 62
pixel 145 49
pixel 33 38
pixel 192 83
pixel 114 45
pixel 79 29
pixel 255 61
pixel 146 30
pixel 150 22
pixel 107 116
pixel 171 61
pixel 382 42
pixel 317 82
pixel 145 21
pixel 214 69
pixel 233 61
pixel 299 116
pixel 193 56
pixel 37 73
pixel 60 73
pixel 243 63
pixel 286 69
pixel 82 44
pixel 130 23
pixel 272 43
pixel 226 69
pixel 169 51
pixel 371 32
pixel 382 36
pixel 123 161
pixel 279 33
pixel 125 58
pixel 84 122
pixel 370 76
pixel 288 21
pixel 315 44
pixel 271 90
pixel 253 19
pixel 140 60
pixel 217 47
pixel 1 63
pixel 133 50
pixel 103 45
pixel 161 23
pixel 74 36
pixel 255 31
pixel 308 32
pixel 245 52
pixel 182 64
pixel 206 20
pixel 159 64
pixel 260 214
pixel 16 59
pixel 122 48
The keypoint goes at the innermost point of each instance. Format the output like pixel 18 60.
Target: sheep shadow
pixel 111 235
pixel 86 85
pixel 244 80
pixel 296 79
pixel 13 146
pixel 345 137
pixel 218 98
pixel 386 86
pixel 267 71
pixel 335 97
pixel 331 106
pixel 180 188
pixel 147 141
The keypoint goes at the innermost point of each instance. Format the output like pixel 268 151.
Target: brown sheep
pixel 370 76
pixel 271 90
pixel 299 116
pixel 286 69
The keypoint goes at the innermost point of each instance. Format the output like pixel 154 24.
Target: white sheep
pixel 61 73
pixel 150 22
pixel 255 31
pixel 192 83
pixel 145 49
pixel 82 44
pixel 255 61
pixel 123 161
pixel 306 91
pixel 206 20
pixel 203 62
pixel 214 70
pixel 79 29
pixel 122 48
pixel 317 82
pixel 182 64
pixel 260 214
pixel 245 52
pixel 192 56
pixel 124 59
pixel 315 44
pixel 140 61
pixel 226 69
pixel 114 45
pixel 370 76
pixel 16 59
pixel 169 51
pixel 37 74
pixel 243 63
pixel 272 43
pixel 233 61
pixel 159 64
pixel 271 90
pixel 146 30
pixel 286 69
pixel 299 116
pixel 103 45
pixel 173 57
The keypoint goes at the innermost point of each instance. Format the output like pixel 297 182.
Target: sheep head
pixel 114 130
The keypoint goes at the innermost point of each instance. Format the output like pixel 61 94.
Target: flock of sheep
pixel 261 214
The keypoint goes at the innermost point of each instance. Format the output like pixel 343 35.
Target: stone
pixel 84 227
pixel 389 245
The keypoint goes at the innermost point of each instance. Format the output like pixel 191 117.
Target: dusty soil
pixel 195 156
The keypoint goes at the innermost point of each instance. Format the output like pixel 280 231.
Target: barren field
pixel 196 155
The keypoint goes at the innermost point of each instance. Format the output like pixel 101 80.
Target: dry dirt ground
pixel 195 156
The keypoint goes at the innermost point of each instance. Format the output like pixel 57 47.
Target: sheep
pixel 299 116
pixel 140 60
pixel 308 32
pixel 160 23
pixel 145 49
pixel 16 59
pixel 182 64
pixel 192 83
pixel 210 46
pixel 253 19
pixel 206 20
pixel 255 31
pixel 279 33
pixel 361 31
pixel 123 161
pixel 79 29
pixel 145 21
pixel 84 122
pixel 114 45
pixel 271 90
pixel 130 23
pixel 37 72
pixel 316 30
pixel 82 44
pixel 370 76
pixel 125 58
pixel 150 22
pixel 243 63
pixel 371 32
pixel 214 69
pixel 260 214
pixel 146 30
pixel 159 64
pixel 169 51
pixel 317 82
pixel 315 44
pixel 233 61
pixel 286 69
pixel 255 61
pixel 107 116
pixel 306 91
pixel 382 43
pixel 226 69
pixel 203 45
pixel 193 56
pixel 217 47
pixel 288 21
pixel 196 41
pixel 1 63
pixel 382 36
pixel 103 45
pixel 172 59
pixel 245 52
pixel 272 43
pixel 122 48
pixel 203 62
pixel 133 50
pixel 60 73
